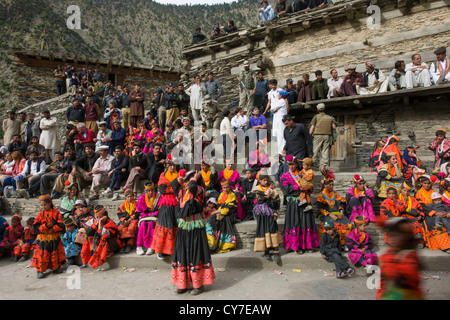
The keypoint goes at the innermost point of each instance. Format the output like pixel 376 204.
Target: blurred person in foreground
pixel 400 265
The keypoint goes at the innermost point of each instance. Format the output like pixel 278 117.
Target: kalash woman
pixel 266 214
pixel 331 207
pixel 191 262
pixel 166 226
pixel 148 215
pixel 300 232
pixel 49 252
pixel 234 179
pixel 219 226
pixel 359 200
pixel 102 240
pixel 390 175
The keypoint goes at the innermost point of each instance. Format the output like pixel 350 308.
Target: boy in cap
pixel 330 249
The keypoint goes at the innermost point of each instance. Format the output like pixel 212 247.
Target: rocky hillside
pixel 131 30
pixel 140 30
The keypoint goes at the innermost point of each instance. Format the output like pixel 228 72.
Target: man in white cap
pixel 417 73
pixel 247 89
pixel 100 171
pixel 440 69
pixel 375 80
pixel 322 126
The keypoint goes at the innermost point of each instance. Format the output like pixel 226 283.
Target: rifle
pixel 243 87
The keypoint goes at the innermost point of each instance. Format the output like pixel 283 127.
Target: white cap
pixel 436 195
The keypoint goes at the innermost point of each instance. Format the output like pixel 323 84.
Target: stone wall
pixel 291 46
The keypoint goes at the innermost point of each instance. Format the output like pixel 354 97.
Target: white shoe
pixel 140 251
pixel 150 251
pixel 107 191
pixel 115 196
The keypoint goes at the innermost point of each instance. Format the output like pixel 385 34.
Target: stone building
pixel 348 32
pixel 35 80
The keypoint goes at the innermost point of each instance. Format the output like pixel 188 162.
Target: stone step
pixel 248 259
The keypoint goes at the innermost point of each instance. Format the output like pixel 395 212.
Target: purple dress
pixel 355 241
pixel 357 206
pixel 300 232
pixel 147 222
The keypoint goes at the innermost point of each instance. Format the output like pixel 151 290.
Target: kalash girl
pixel 148 215
pixel 267 205
pixel 360 244
pixel 49 252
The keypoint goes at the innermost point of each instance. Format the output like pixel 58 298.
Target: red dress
pixel 49 252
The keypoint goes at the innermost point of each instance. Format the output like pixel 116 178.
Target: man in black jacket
pixel 156 163
pixel 197 36
pixel 75 113
pixel 82 167
pixel 118 172
pixel 64 169
pixel 298 139
pixel 138 166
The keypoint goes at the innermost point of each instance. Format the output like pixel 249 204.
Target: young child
pixel 23 249
pixel 360 245
pixel 248 198
pixel 391 207
pixel 211 205
pixel 128 225
pixel 13 235
pixel 330 248
pixel 307 182
pixel 442 212
pixel 71 248
pixel 267 205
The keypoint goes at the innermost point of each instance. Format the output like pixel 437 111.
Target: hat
pixel 45 197
pixel 440 50
pixel 328 224
pixel 283 93
pixel 350 67
pixel 287 117
pixel 18 216
pixel 68 221
pixel 212 199
pixel 359 220
pixel 79 202
pixel 11 111
pixel 436 195
pixel 149 186
pixel 357 178
pixel 320 107
pixel 103 148
pixel 99 210
pixel 225 182
pixel 246 63
pixel 290 159
pixel 102 123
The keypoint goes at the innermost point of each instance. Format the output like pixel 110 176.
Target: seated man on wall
pixel 397 79
pixel 417 73
pixel 376 81
pixel 334 85
pixel 319 88
pixel 266 12
pixel 440 69
pixel 352 82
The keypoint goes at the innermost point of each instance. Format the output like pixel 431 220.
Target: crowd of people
pixel 188 210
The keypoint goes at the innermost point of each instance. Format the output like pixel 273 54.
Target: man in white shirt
pixel 417 73
pixel 195 92
pixel 240 121
pixel 227 134
pixel 440 69
pixel 100 171
pixel 32 172
pixel 334 85
pixel 376 81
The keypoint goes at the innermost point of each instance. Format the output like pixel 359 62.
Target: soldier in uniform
pixel 211 113
pixel 246 94
pixel 322 126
